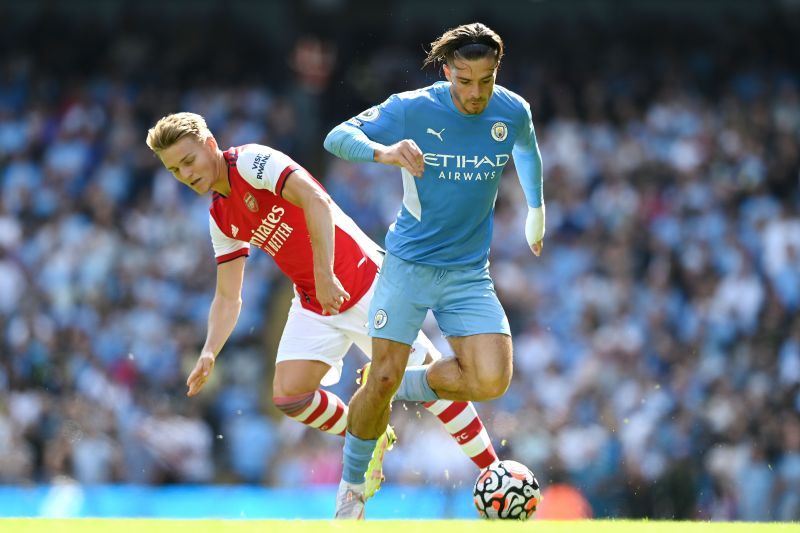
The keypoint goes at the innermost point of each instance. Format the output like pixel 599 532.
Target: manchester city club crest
pixel 251 202
pixel 499 131
pixel 380 319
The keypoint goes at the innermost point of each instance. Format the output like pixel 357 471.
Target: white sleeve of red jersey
pixel 226 248
pixel 264 167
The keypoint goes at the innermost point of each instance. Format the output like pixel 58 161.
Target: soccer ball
pixel 506 490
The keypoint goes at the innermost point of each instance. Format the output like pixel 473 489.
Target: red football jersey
pixel 254 213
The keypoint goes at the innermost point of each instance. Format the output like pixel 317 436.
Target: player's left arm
pixel 301 190
pixel 528 161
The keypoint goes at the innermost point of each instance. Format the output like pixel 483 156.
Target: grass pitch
pixel 86 525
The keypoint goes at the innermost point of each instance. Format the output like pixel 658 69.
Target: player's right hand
pixel 405 154
pixel 200 373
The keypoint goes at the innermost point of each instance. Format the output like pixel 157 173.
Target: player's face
pixel 472 83
pixel 193 163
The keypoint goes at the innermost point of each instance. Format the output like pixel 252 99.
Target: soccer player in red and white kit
pixel 262 198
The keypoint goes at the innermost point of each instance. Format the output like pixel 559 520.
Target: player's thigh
pixel 403 295
pixel 422 349
pixel 485 357
pixel 309 336
pixel 353 324
pixel 299 376
pixel 468 305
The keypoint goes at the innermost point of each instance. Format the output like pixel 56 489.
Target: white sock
pixel 355 487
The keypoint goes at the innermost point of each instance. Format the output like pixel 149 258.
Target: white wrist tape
pixel 534 225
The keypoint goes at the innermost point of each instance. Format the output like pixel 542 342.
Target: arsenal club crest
pixel 251 202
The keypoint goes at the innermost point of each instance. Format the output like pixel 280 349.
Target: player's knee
pixel 384 382
pixel 491 387
pixel 285 385
pixel 293 405
pixel 484 392
pixel 497 388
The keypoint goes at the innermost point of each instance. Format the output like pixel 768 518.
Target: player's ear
pixel 211 142
pixel 447 73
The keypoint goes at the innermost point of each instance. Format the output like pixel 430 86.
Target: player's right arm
pixel 224 312
pixel 377 135
pixel 222 318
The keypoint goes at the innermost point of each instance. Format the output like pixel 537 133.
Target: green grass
pixel 379 526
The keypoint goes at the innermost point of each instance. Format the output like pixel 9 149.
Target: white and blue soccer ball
pixel 506 490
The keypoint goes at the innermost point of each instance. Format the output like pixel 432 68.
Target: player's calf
pixel 320 409
pixel 462 422
pixel 460 419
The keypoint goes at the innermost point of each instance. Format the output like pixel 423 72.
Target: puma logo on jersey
pixel 234 231
pixel 437 134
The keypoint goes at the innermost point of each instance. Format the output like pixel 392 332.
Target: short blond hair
pixel 172 128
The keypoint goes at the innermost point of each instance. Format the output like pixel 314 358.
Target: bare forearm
pixel 319 219
pixel 222 318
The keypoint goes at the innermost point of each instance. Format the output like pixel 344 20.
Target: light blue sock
pixel 414 387
pixel 357 453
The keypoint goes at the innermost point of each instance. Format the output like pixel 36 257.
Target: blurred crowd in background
pixel 657 338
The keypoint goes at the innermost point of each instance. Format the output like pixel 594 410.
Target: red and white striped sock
pixel 320 409
pixel 465 426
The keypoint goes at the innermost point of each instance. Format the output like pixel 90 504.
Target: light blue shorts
pixel 463 301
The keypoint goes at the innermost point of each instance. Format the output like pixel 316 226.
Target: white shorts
pixel 309 336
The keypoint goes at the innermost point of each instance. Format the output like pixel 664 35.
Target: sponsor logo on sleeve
pixel 369 115
pixel 259 163
pixel 234 231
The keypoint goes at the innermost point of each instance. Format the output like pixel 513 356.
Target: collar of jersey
pixel 226 155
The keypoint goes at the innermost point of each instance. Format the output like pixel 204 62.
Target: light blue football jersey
pixel 447 215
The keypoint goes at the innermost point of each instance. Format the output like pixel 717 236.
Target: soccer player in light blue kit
pixel 451 141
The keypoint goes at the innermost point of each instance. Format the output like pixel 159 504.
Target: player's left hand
pixel 200 373
pixel 534 229
pixel 330 294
